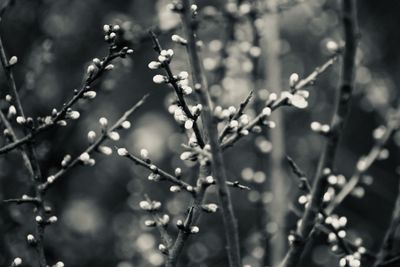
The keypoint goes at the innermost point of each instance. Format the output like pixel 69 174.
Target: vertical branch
pixel 37 176
pixel 327 159
pixel 210 123
pixel 391 236
pixel 277 209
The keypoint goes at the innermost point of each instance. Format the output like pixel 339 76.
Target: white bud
pixel 144 153
pixel 84 157
pixel 17 262
pixel 160 79
pixel 126 125
pixel 266 111
pixel 74 115
pixel 272 97
pixel 105 150
pixel 62 123
pixel 20 120
pixel 91 136
pixel 233 124
pixel 59 264
pixel 145 205
pixel 129 51
pixel 103 122
pixel 30 238
pixel 12 111
pixel 178 39
pixel 211 208
pixel 315 126
pixel 194 229
pixel 293 79
pixel 153 65
pixel 162 248
pixel 51 179
pixel 13 60
pixel 109 67
pixel 185 155
pixel 183 75
pixel 38 219
pixel 116 28
pixel 189 124
pixel 114 136
pixel 90 94
pixel 122 152
pixel 150 223
pixel 91 69
pixel 209 180
pixel 187 90
pixel 332 46
pixel 53 219
pixel 178 172
pixel 113 35
pixel 175 188
pixel 106 28
pixel 298 101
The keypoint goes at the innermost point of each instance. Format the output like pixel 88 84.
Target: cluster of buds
pixel 210 208
pixel 110 32
pixel 163 59
pixel 86 159
pixel 148 205
pixel 189 229
pixel 162 221
pixel 353 260
pixel 72 114
pixel 320 128
pixel 40 220
pixel 296 99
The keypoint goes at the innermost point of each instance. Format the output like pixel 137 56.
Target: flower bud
pixel 17 262
pixel 106 150
pixel 13 60
pixel 293 79
pixel 91 136
pixel 153 65
pixel 122 152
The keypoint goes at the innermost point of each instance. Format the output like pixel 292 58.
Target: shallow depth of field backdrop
pixel 99 220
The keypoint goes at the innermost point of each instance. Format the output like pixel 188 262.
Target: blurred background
pixel 100 223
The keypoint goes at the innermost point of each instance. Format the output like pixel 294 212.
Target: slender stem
pixel 60 115
pixel 13 138
pixel 327 158
pixel 31 155
pixel 94 146
pixel 210 124
pixel 391 238
pixel 178 91
pixel 366 162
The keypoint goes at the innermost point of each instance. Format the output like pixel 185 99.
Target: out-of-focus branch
pixel 366 161
pixel 386 254
pixel 327 158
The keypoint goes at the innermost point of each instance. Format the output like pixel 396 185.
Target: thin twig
pixel 178 91
pixel 94 146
